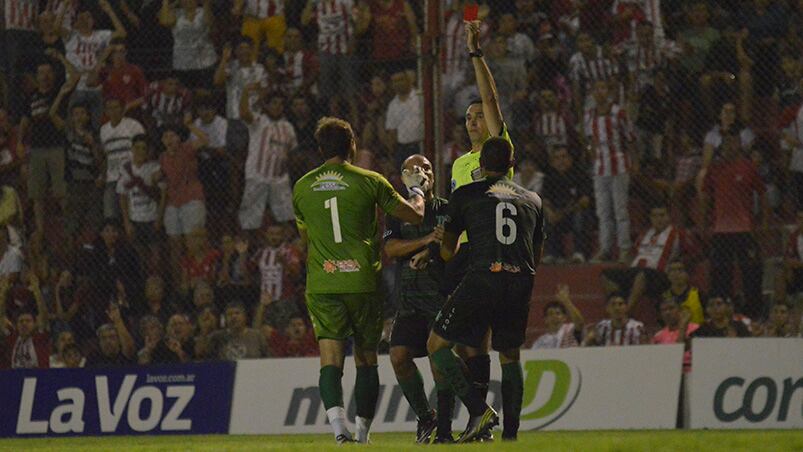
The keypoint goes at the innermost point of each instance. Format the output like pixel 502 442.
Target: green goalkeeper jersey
pixel 336 205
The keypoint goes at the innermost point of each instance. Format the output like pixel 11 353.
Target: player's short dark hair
pixel 613 295
pixel 474 101
pixel 554 305
pixel 334 136
pixel 496 155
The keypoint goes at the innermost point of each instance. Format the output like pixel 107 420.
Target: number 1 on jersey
pixel 331 204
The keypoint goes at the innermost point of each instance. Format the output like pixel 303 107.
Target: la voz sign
pixel 193 398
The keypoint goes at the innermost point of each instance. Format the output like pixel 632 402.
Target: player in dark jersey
pixel 505 226
pixel 417 248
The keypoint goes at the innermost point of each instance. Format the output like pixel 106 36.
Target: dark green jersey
pixel 504 223
pixel 418 289
pixel 336 205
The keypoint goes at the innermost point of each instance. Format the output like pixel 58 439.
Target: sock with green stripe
pixel 413 389
pixel 449 367
pixel 512 392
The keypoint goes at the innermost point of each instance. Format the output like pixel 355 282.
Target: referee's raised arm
pixel 485 80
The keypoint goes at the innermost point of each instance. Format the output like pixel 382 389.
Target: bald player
pixel 417 250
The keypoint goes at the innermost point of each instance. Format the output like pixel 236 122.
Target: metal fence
pixel 652 130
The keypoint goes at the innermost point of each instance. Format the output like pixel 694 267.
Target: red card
pixel 471 12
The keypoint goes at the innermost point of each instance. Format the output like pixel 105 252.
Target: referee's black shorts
pixel 500 301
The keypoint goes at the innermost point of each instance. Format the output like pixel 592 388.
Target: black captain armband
pixel 476 54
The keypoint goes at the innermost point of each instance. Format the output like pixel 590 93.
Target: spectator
pixel 140 195
pixel 194 56
pixel 588 66
pixel 237 341
pixel 793 141
pixel 677 329
pixel 113 268
pixel 335 23
pixel 296 340
pixel 510 75
pixel 656 248
pixel 655 117
pixel 266 178
pixel 300 66
pixel 687 296
pixel 608 130
pixel 73 358
pixel 183 209
pixel 618 329
pixel 567 203
pixel 12 260
pixel 563 321
pixel 59 359
pixel 393 32
pixel 158 349
pixel 729 189
pixel 27 342
pixel 84 46
pixel 120 79
pixel 262 19
pixel 792 283
pixel 720 321
pixel 373 109
pixel 714 139
pixel 179 338
pixel 115 344
pixel 216 167
pixel 19 28
pixel 203 295
pixel 46 175
pixel 279 264
pixel 529 176
pixel 403 120
pixel 551 122
pixel 116 138
pixel 156 304
pixel 71 299
pixel 166 101
pixel 233 277
pixel 520 47
pixel 10 157
pixel 199 263
pixel 208 323
pixel 723 66
pixel 778 323
pixel 697 38
pixel 239 74
pixel 84 200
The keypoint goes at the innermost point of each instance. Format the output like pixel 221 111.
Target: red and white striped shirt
pixel 335 29
pixel 21 14
pixel 269 143
pixel 263 9
pixel 552 126
pixel 609 134
pixel 630 334
pixel 297 67
pixel 165 107
pixel 657 249
pixel 588 70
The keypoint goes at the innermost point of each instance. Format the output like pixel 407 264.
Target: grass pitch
pixel 708 441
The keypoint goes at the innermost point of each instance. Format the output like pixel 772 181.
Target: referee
pixel 483 121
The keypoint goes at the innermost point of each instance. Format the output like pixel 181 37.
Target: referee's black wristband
pixel 476 54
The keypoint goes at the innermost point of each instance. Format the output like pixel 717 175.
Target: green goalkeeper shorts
pixel 342 315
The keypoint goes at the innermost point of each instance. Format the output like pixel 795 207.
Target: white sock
pixel 363 428
pixel 337 418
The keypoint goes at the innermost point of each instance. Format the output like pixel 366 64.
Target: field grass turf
pixel 613 441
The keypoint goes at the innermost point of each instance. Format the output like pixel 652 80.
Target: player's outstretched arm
pixel 410 211
pixel 448 245
pixel 485 81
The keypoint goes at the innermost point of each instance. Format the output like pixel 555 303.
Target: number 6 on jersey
pixel 502 221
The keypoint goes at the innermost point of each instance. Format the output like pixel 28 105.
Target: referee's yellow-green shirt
pixel 466 169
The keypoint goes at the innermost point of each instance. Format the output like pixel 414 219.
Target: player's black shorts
pixel 657 282
pixel 455 270
pixel 500 301
pixel 411 330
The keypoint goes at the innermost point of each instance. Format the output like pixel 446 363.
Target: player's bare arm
pixel 449 245
pixel 485 81
pixel 400 248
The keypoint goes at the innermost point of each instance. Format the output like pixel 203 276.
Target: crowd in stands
pixel 148 150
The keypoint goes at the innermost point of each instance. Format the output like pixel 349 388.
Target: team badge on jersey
pixel 329 181
pixel 345 266
pixel 501 190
